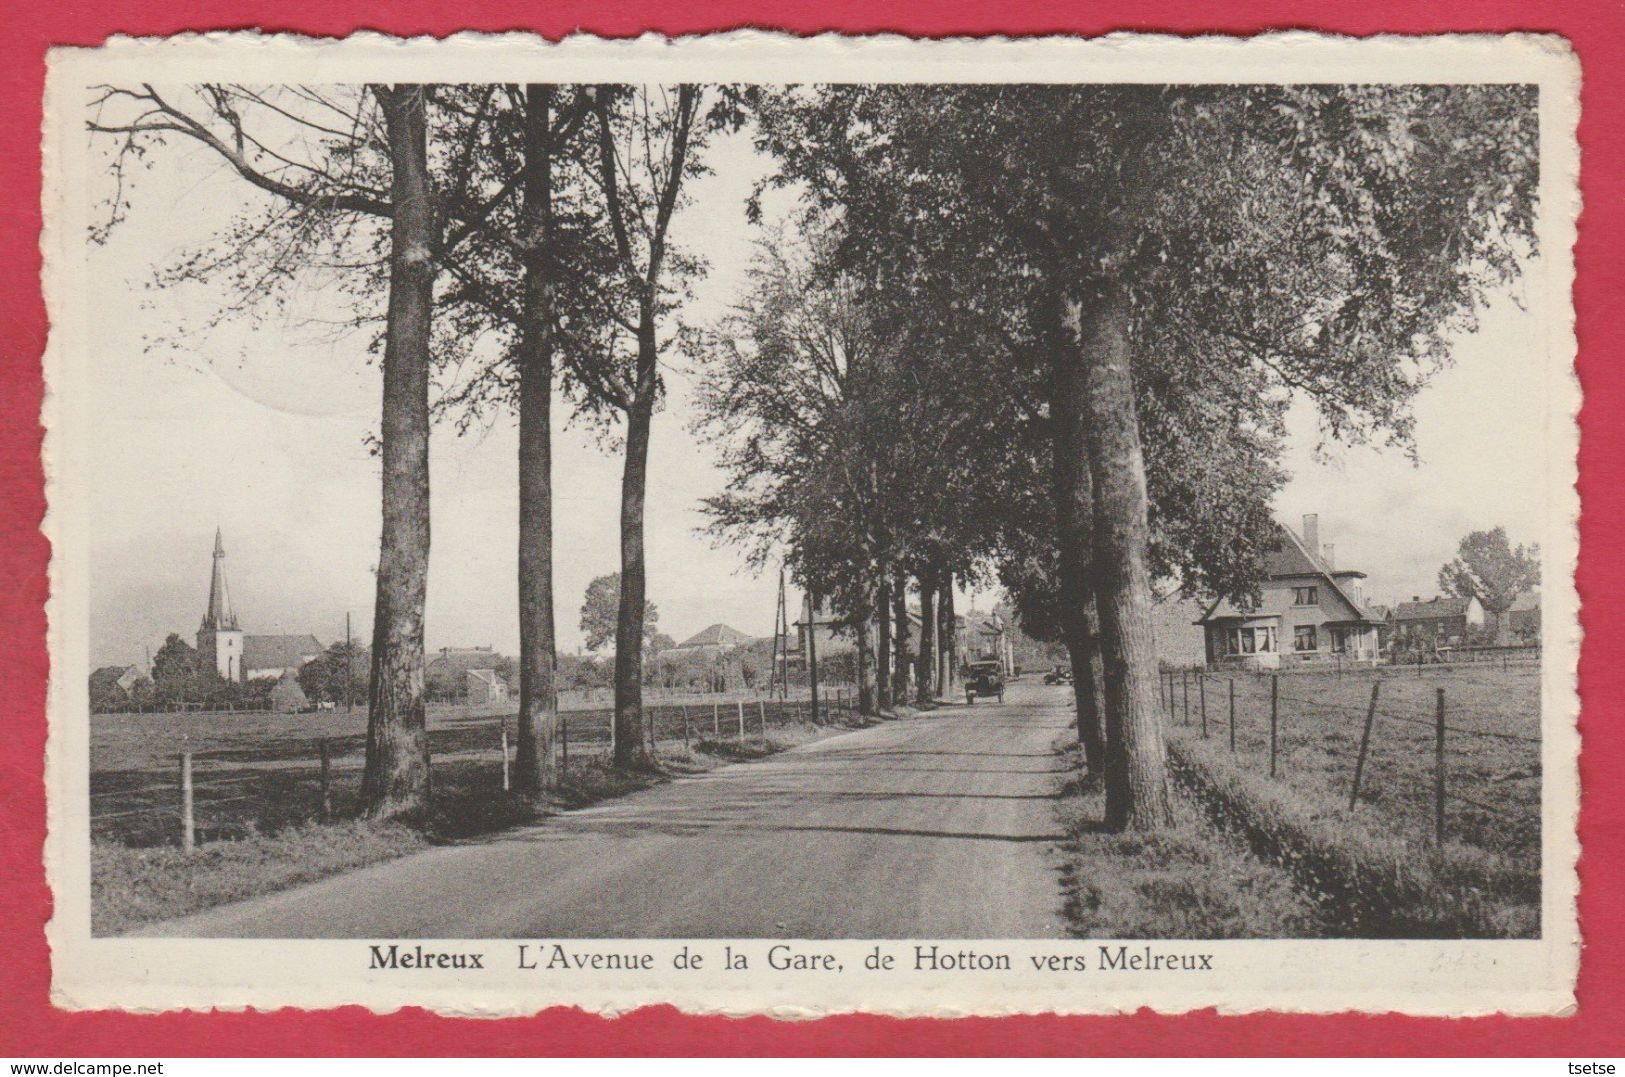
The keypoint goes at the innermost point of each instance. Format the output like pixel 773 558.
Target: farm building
pixel 1523 619
pixel 468 675
pixel 485 687
pixel 1309 611
pixel 1441 621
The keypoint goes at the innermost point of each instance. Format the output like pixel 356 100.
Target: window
pixel 1250 641
pixel 1303 638
pixel 1306 596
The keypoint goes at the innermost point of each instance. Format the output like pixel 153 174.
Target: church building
pixel 236 655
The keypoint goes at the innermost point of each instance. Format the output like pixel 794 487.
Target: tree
pixel 348 173
pixel 646 142
pixel 175 670
pixel 601 611
pixel 1488 568
pixel 1186 259
pixel 336 673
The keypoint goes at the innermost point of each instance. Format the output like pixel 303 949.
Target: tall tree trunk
pixel 865 668
pixel 1073 495
pixel 538 660
pixel 947 671
pixel 900 636
pixel 629 749
pixel 1136 766
pixel 925 691
pixel 396 777
pixel 883 657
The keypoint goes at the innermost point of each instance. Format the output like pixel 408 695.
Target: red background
pixel 29 1026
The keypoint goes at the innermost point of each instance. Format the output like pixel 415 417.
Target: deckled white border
pixel 1511 976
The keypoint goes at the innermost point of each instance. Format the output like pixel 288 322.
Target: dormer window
pixel 1306 596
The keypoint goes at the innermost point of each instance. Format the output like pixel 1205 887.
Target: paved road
pixel 939 826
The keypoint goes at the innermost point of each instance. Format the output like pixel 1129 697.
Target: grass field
pixel 1376 866
pixel 258 773
pixel 1492 748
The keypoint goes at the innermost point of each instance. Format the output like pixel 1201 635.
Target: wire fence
pixel 1453 757
pixel 194 796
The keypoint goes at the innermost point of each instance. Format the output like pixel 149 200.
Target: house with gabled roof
pixel 712 640
pixel 1308 611
pixel 485 687
pixel 1443 620
pixel 468 675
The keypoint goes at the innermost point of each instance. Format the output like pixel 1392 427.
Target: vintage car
pixel 1059 675
pixel 983 679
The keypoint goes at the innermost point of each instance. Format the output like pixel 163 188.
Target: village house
pixel 468 675
pixel 832 637
pixel 1309 611
pixel 1438 622
pixel 710 642
pixel 112 686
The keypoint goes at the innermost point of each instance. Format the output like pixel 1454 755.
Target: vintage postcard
pixel 800 526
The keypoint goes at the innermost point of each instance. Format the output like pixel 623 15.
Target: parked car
pixel 1059 675
pixel 983 679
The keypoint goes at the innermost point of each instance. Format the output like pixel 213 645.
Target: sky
pixel 262 431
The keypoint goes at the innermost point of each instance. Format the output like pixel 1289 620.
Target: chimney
pixel 1311 530
pixel 1416 598
pixel 1326 554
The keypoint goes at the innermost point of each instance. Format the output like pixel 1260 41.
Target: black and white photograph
pixel 783 524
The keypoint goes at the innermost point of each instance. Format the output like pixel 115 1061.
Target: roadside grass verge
pixel 1187 882
pixel 1365 884
pixel 132 886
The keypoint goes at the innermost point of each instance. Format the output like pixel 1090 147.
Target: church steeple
pixel 219 616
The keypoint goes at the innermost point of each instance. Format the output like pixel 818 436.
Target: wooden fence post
pixel 188 828
pixel 1185 689
pixel 1365 742
pixel 326 774
pixel 506 781
pixel 1232 716
pixel 716 720
pixel 1201 692
pixel 685 727
pixel 1438 771
pixel 564 743
pixel 740 706
pixel 761 717
pixel 1275 691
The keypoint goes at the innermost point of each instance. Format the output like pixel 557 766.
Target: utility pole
pixel 812 652
pixel 780 671
pixel 349 665
pixel 781 631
